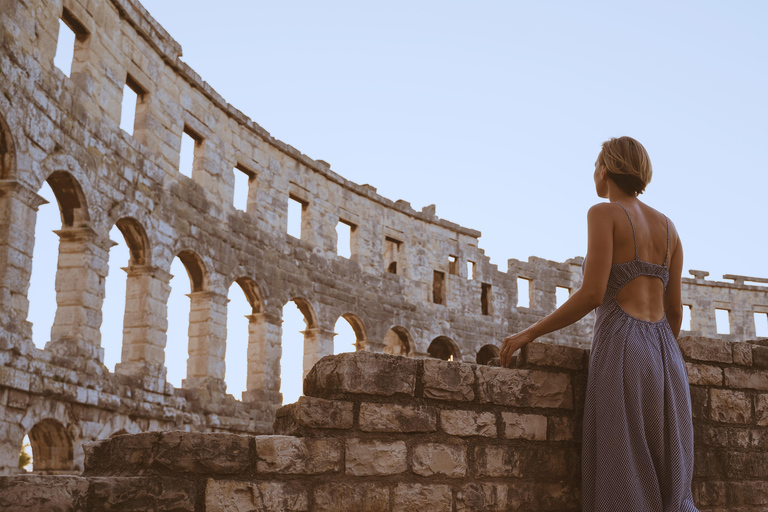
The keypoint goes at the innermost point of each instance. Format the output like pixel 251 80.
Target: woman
pixel 637 440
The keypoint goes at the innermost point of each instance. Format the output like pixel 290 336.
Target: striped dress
pixel 637 439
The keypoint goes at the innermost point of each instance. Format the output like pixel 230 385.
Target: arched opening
pixel 443 348
pixel 244 302
pixel 486 353
pixel 47 268
pixel 123 295
pixel 398 342
pixel 25 455
pixel 299 326
pixel 51 447
pixel 350 334
pixel 183 313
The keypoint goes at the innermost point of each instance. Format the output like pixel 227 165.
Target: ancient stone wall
pixel 383 433
pixel 414 284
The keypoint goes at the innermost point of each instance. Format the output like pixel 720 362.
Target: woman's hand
pixel 512 343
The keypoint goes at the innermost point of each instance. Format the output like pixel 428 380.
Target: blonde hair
pixel 627 163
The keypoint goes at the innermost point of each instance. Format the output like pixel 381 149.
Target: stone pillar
pixel 318 342
pixel 145 324
pixel 264 351
pixel 80 277
pixel 207 340
pixel 18 211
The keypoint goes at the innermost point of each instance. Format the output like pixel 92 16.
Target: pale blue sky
pixel 495 112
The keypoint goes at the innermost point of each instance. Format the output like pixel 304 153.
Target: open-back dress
pixel 637 438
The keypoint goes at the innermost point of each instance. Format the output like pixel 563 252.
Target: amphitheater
pixel 415 419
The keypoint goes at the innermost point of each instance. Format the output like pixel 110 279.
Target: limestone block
pixel 357 497
pixel 374 457
pixel 558 496
pixel 524 426
pixel 162 494
pixel 238 496
pixel 468 423
pixel 743 378
pixel 313 412
pixel 759 354
pixel 730 406
pixel 521 461
pixel 561 428
pixel 546 354
pixel 524 388
pixel 35 492
pixel 761 409
pixel 294 455
pixel 361 373
pixel 706 349
pixel 397 418
pixel 122 454
pixel 194 452
pixel 431 459
pixel 476 497
pixel 422 498
pixel 742 354
pixel 704 374
pixel 447 380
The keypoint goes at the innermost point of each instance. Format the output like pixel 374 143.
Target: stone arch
pixel 136 239
pixel 73 205
pixel 7 151
pixel 444 348
pixel 361 336
pixel 310 317
pixel 198 277
pixel 398 341
pixel 486 353
pixel 252 293
pixel 52 447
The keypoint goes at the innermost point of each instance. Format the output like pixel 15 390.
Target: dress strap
pixel 666 256
pixel 634 236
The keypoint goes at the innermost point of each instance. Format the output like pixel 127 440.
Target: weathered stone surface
pixel 761 409
pixel 468 423
pixel 361 373
pixel 293 455
pixel 742 353
pixel 546 462
pixel 544 354
pixel 422 498
pixel 448 380
pixel 313 412
pixel 163 494
pixel 194 452
pixel 744 378
pixel 706 349
pixel 524 426
pixel 358 497
pixel 238 496
pixel 29 493
pixel 758 353
pixel 704 374
pixel 524 388
pixel 477 497
pixel 560 428
pixel 122 454
pixel 730 406
pixel 440 459
pixel 374 457
pixel 397 418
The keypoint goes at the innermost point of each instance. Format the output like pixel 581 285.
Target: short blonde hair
pixel 627 163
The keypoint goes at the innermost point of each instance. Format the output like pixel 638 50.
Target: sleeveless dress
pixel 637 438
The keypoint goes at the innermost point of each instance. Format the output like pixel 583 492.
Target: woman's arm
pixel 673 301
pixel 585 299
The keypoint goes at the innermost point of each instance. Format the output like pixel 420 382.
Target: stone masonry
pixel 414 285
pixel 376 433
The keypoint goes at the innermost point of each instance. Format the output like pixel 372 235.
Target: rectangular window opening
pixel 453 265
pixel 438 287
pixel 344 232
pixel 72 33
pixel 485 299
pixel 686 325
pixel 132 95
pixel 523 292
pixel 190 142
pixel 296 209
pixel 761 325
pixel 470 269
pixel 244 180
pixel 723 321
pixel 561 295
pixel 392 254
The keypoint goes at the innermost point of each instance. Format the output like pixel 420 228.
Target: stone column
pixel 318 343
pixel 264 351
pixel 18 211
pixel 80 277
pixel 145 324
pixel 207 340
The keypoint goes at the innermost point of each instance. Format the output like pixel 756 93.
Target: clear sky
pixel 495 111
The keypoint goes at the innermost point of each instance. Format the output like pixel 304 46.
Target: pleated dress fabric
pixel 637 438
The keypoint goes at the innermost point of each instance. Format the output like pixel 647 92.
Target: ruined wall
pixel 64 130
pixel 382 433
